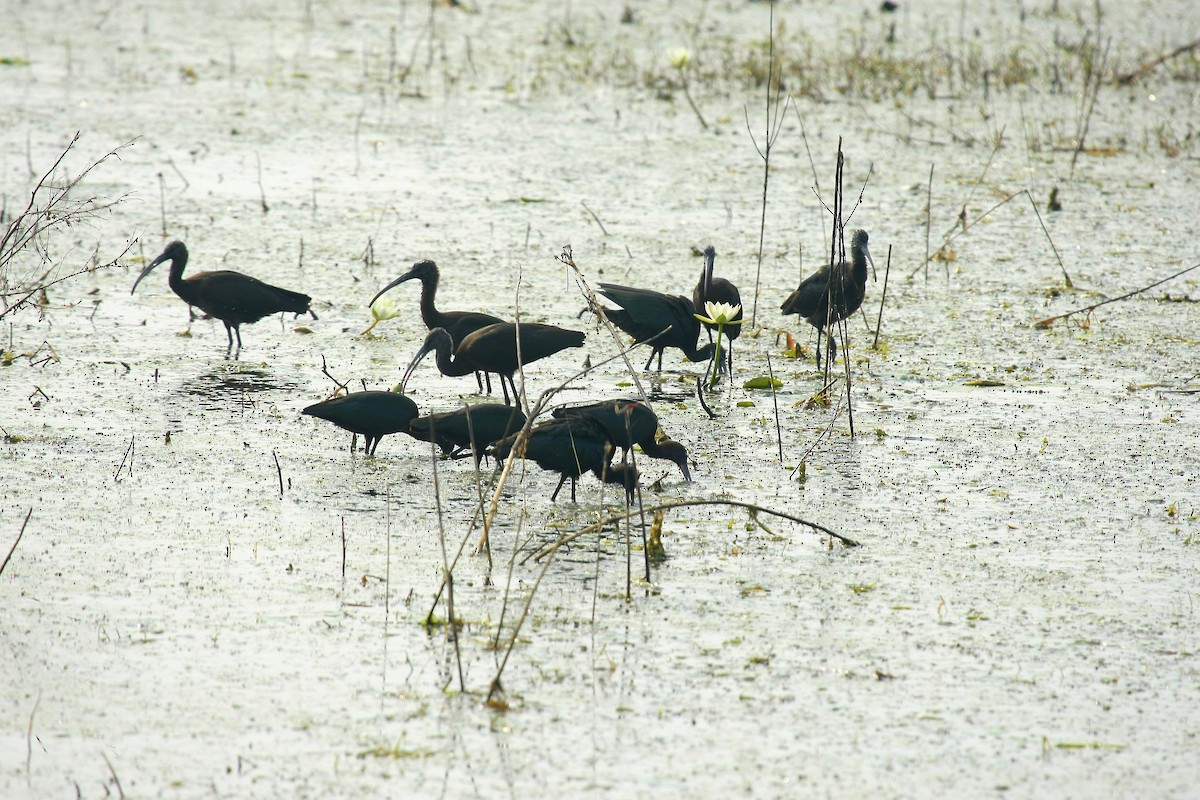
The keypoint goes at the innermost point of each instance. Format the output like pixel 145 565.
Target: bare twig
pixel 262 192
pixel 29 728
pixel 775 402
pixel 1091 91
pixel 128 457
pixel 596 217
pixel 113 772
pixel 928 219
pixel 566 539
pixel 1146 67
pixel 16 541
pixel 882 296
pixel 1048 321
pixel 447 574
pixel 773 124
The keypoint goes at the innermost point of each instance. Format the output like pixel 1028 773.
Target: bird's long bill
pixel 871 261
pixel 391 285
pixel 424 351
pixel 683 467
pixel 710 255
pixel 145 272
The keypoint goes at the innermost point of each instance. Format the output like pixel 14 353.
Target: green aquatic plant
pixel 719 314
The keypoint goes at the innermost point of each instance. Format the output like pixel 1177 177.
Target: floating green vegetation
pixel 13 61
pixel 763 382
pixel 863 588
pixel 395 751
pixel 1046 745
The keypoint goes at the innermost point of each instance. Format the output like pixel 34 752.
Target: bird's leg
pixel 649 361
pixel 831 351
pixel 353 442
pixel 558 488
pixel 729 359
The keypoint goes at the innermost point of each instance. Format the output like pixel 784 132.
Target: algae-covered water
pixel 214 597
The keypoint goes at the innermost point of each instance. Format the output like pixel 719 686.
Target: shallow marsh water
pixel 1019 620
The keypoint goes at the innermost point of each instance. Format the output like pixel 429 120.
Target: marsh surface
pixel 1020 618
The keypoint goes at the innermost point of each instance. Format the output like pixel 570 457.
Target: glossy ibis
pixel 629 422
pixel 229 296
pixel 571 447
pixel 662 320
pixel 487 423
pixel 832 293
pixel 494 349
pixel 717 290
pixel 374 414
pixel 457 323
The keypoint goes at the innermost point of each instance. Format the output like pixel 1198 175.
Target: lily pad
pixel 762 382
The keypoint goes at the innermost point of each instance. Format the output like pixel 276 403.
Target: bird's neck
pixel 860 266
pixel 429 312
pixel 700 353
pixel 175 277
pixel 449 366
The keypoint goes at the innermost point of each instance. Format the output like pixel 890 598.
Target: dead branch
pixel 1048 321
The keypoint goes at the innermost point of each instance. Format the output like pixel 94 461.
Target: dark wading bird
pixel 832 294
pixel 717 290
pixel 629 422
pixel 571 447
pixel 488 422
pixel 457 323
pixel 373 414
pixel 663 320
pixel 494 349
pixel 229 296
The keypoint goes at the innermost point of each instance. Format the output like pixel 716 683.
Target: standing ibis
pixel 662 320
pixel 470 429
pixel 229 296
pixel 629 422
pixel 373 414
pixel 494 349
pixel 457 323
pixel 718 290
pixel 570 447
pixel 832 293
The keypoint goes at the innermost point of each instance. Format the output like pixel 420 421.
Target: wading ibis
pixel 489 422
pixel 229 296
pixel 832 293
pixel 571 447
pixel 645 314
pixel 629 422
pixel 373 414
pixel 457 323
pixel 717 290
pixel 494 349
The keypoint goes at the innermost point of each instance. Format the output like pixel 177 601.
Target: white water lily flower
pixel 720 313
pixel 679 57
pixel 382 309
pixel 385 308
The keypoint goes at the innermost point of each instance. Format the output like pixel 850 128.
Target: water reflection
pixel 235 385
